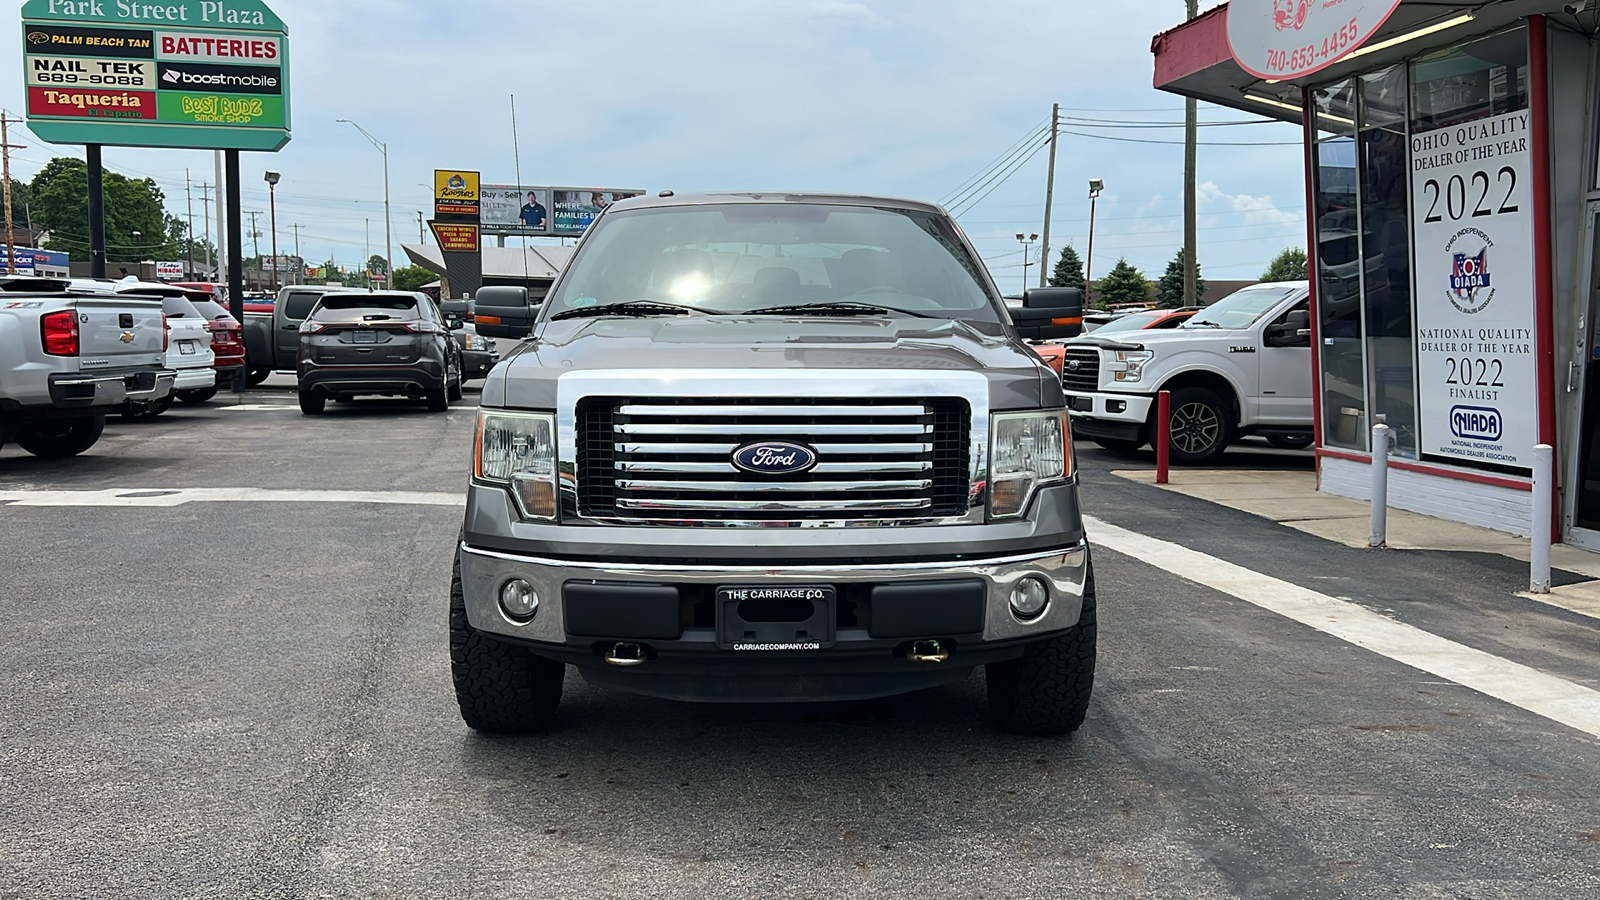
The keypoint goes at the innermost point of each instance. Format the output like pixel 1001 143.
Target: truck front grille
pixel 670 460
pixel 1080 369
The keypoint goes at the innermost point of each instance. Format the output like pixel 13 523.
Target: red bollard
pixel 1163 434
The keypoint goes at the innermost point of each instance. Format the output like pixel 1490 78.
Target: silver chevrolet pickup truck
pixel 67 358
pixel 773 448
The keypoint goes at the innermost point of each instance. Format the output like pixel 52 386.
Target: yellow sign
pixel 450 184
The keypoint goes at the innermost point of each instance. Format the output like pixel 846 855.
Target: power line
pixel 997 164
pixel 999 180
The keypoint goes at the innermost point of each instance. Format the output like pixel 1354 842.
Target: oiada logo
pixel 1290 15
pixel 1477 423
pixel 774 458
pixel 1470 288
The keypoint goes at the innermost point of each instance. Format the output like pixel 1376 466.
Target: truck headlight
pixel 1128 365
pixel 1028 450
pixel 517 451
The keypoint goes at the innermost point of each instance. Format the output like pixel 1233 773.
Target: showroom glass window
pixel 1385 161
pixel 1338 268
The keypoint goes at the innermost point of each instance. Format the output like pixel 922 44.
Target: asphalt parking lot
pixel 248 695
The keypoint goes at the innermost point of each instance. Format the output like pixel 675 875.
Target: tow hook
pixel 626 655
pixel 927 652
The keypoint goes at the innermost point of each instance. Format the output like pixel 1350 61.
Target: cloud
pixel 839 9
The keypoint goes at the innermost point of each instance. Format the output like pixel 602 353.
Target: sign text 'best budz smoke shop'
pixel 183 73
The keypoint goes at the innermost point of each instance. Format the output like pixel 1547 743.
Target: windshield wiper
pixel 837 308
pixel 1193 324
pixel 630 308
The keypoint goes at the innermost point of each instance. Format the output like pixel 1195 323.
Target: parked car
pixel 389 343
pixel 478 353
pixel 819 465
pixel 1240 366
pixel 1148 320
pixel 189 352
pixel 68 358
pixel 227 342
pixel 272 335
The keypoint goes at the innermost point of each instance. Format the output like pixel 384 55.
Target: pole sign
pixel 455 196
pixel 200 74
pixel 1472 220
pixel 1283 39
pixel 454 238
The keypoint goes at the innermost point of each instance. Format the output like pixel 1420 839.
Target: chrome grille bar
pixel 715 505
pixel 742 428
pixel 760 487
pixel 647 467
pixel 766 411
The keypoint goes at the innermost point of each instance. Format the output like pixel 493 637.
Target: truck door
pixel 1286 367
pixel 292 309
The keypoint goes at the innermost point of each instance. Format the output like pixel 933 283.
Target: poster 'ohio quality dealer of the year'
pixel 1472 222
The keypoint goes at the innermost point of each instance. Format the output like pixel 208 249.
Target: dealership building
pixel 1453 194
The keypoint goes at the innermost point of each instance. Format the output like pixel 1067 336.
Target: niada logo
pixel 1478 423
pixel 774 458
pixel 1290 15
pixel 1470 287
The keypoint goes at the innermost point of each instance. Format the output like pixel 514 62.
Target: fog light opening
pixel 1029 598
pixel 518 600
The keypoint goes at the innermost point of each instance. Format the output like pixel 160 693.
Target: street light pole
pixel 1027 246
pixel 388 243
pixel 272 201
pixel 1096 185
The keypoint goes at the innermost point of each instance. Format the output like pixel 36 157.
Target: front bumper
pixel 685 660
pixel 100 391
pixel 1107 415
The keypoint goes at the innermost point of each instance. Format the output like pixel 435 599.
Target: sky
pixel 910 98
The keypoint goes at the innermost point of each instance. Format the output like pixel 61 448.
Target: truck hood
pixel 1155 338
pixel 1017 379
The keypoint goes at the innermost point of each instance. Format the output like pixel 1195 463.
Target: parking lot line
pixel 1537 692
pixel 135 496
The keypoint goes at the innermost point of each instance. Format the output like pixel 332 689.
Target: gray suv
pixel 773 448
pixel 385 342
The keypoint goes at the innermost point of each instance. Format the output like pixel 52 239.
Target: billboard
pixel 515 209
pixel 169 271
pixel 572 209
pixel 281 263
pixel 110 73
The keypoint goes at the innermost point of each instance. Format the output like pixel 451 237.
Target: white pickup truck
pixel 1240 366
pixel 67 358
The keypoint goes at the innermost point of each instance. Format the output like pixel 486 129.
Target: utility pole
pixel 188 197
pixel 205 206
pixel 255 237
pixel 222 229
pixel 5 164
pixel 1191 120
pixel 300 269
pixel 1050 192
pixel 422 231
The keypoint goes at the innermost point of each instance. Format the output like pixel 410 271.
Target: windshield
pixel 1132 322
pixel 1240 309
pixel 738 258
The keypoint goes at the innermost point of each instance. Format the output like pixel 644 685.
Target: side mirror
pixel 1048 313
pixel 452 321
pixel 1294 331
pixel 503 312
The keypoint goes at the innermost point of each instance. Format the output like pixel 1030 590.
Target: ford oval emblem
pixel 774 458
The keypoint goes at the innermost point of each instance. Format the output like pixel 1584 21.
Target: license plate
pixel 776 618
pixel 366 337
pixel 186 348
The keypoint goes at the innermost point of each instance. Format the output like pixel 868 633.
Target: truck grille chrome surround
pixel 1080 369
pixel 891 448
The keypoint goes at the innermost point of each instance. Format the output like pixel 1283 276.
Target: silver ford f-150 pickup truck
pixel 67 358
pixel 773 447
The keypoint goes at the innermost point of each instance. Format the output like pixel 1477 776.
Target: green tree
pixel 1069 269
pixel 21 204
pixel 377 265
pixel 1124 284
pixel 138 227
pixel 1169 288
pixel 1290 265
pixel 412 278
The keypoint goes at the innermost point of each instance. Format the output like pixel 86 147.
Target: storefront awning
pixel 1195 60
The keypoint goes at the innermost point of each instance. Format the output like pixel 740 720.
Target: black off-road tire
pixel 1118 446
pixel 312 403
pixel 1290 442
pixel 1201 427
pixel 438 400
pixel 256 376
pixel 197 396
pixel 1046 692
pixel 59 438
pixel 502 688
pixel 454 393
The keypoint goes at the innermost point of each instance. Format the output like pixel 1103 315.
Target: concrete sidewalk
pixel 1292 499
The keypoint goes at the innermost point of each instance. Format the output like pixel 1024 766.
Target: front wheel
pixel 501 688
pixel 1201 426
pixel 58 438
pixel 312 403
pixel 1290 441
pixel 1047 690
pixel 438 400
pixel 256 376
